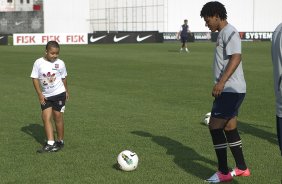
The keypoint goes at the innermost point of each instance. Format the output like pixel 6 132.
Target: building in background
pixel 20 5
pixel 21 16
pixel 128 15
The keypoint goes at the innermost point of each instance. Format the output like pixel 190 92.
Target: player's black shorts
pixel 57 102
pixel 227 105
pixel 184 39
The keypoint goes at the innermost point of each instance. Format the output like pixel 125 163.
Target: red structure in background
pixel 37 7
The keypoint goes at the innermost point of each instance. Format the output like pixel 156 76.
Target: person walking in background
pixel 183 35
pixel 276 52
pixel 49 79
pixel 228 92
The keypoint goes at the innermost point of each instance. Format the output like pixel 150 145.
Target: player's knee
pixel 216 123
pixel 230 126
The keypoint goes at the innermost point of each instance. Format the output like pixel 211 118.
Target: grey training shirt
pixel 276 51
pixel 228 43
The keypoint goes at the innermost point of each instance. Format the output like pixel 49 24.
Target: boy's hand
pixel 67 96
pixel 42 99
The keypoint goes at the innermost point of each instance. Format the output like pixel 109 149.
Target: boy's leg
pixel 220 145
pixel 59 122
pixel 235 143
pixel 48 127
pixel 58 110
pixel 219 141
pixel 279 132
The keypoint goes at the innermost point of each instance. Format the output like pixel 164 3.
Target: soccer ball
pixel 127 160
pixel 207 118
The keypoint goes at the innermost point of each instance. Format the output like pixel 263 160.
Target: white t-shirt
pixel 50 75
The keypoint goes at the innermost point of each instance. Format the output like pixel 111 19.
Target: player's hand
pixel 217 89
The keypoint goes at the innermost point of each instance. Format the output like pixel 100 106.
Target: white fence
pixel 152 15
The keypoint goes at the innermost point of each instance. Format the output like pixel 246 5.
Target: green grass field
pixel 148 98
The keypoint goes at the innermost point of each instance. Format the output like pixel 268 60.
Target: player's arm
pixel 66 87
pixel 189 32
pixel 178 35
pixel 230 69
pixel 38 90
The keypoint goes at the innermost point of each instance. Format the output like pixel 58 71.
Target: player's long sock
pixel 279 132
pixel 235 144
pixel 220 146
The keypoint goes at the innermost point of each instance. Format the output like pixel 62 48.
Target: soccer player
pixel 228 92
pixel 276 52
pixel 183 34
pixel 50 83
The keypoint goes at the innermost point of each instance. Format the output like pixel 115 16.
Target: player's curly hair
pixel 52 44
pixel 214 8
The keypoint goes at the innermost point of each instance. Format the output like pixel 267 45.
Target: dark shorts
pixel 57 102
pixel 184 39
pixel 227 105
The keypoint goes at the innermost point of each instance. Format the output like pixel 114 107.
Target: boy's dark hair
pixel 214 8
pixel 52 44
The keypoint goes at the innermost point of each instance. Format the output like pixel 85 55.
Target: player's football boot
pixel 219 177
pixel 47 148
pixel 238 172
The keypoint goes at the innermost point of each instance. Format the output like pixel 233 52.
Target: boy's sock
pixel 50 142
pixel 235 145
pixel 220 146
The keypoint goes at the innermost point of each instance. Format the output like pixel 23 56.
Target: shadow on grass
pixel 115 166
pixel 254 130
pixel 36 131
pixel 185 157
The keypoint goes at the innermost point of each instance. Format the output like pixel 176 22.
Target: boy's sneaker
pixel 238 172
pixel 219 177
pixel 58 145
pixel 47 148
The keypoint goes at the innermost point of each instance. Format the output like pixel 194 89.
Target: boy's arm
pixel 66 86
pixel 230 69
pixel 38 91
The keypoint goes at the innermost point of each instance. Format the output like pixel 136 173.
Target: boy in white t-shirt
pixel 50 83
